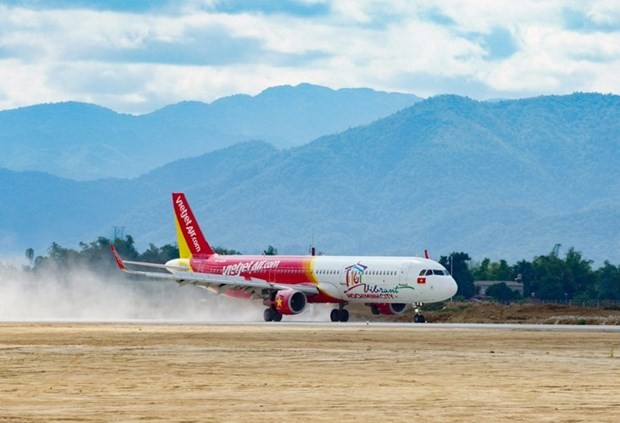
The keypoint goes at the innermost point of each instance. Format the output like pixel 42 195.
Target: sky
pixel 138 56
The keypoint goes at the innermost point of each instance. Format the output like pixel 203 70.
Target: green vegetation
pixel 270 251
pixel 96 255
pixel 547 277
pixel 502 292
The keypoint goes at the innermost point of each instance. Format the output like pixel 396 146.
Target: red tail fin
pixel 191 240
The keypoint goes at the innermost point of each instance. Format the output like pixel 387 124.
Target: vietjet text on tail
pixel 286 284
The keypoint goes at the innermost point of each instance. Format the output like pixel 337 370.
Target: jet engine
pixel 389 309
pixel 289 301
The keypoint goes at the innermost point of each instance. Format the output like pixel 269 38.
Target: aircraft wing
pixel 215 283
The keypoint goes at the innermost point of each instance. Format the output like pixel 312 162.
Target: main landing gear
pixel 272 315
pixel 339 314
pixel 419 317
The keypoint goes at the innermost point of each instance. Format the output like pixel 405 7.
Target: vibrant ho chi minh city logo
pixel 354 274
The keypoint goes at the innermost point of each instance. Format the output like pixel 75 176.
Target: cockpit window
pixel 428 272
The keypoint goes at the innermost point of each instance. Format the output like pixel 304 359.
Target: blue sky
pixel 137 56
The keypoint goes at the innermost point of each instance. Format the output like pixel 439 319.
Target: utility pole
pixel 119 232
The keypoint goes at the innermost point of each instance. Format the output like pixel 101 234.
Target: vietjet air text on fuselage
pixel 287 283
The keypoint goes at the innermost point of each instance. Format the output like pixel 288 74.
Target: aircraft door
pixel 404 273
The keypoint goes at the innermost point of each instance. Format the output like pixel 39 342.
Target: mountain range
pixel 504 179
pixel 85 142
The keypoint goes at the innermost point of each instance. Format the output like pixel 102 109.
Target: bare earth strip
pixel 255 373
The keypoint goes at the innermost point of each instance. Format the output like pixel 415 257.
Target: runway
pixel 423 326
pixel 223 372
pixel 365 324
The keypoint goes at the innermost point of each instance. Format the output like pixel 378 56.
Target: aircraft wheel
pixel 276 315
pixel 339 315
pixel 268 315
pixel 419 318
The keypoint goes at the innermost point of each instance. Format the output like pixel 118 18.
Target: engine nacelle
pixel 389 309
pixel 289 301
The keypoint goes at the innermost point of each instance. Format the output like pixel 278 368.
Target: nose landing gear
pixel 419 317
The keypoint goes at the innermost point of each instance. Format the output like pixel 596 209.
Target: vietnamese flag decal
pixel 421 280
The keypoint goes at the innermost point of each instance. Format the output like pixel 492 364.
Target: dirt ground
pixel 492 312
pixel 339 372
pixel 532 313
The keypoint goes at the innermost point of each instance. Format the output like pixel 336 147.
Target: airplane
pixel 287 284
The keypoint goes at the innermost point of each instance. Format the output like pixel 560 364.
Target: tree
pixel 155 254
pixel 609 285
pixel 523 271
pixel 96 254
pixel 500 271
pixel 501 292
pixel 126 247
pixel 270 251
pixel 169 252
pixel 226 252
pixel 548 281
pixel 481 272
pixel 579 279
pixel 62 257
pixel 492 271
pixel 457 263
pixel 30 256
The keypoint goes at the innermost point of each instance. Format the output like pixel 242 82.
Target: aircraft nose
pixel 453 287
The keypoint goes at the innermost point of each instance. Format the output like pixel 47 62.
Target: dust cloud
pixel 84 295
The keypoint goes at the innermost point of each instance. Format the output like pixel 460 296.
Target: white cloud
pixel 605 12
pixel 138 61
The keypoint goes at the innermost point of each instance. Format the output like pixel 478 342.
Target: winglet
pixel 191 240
pixel 118 259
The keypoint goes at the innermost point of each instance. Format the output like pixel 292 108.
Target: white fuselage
pixel 383 279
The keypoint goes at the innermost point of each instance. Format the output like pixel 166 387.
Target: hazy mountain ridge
pixel 84 141
pixel 506 179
